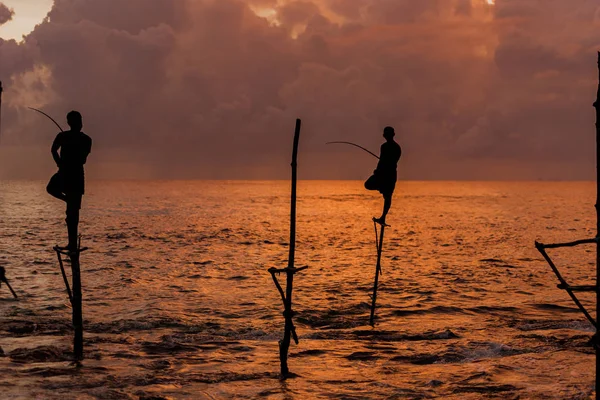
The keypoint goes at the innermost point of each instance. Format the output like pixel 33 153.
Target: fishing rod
pixel 355 145
pixel 51 119
pixel 31 108
pixel 62 269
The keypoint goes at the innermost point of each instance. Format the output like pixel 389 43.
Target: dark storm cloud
pixel 6 14
pixel 210 89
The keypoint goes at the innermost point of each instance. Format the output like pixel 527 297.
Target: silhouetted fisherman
pixel 385 176
pixel 68 184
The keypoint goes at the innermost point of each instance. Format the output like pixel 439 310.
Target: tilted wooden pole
pixel 596 338
pixel 62 271
pixel 285 344
pixel 292 253
pixel 377 273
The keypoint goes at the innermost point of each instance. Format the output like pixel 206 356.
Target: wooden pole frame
pixel 571 290
pixel 290 271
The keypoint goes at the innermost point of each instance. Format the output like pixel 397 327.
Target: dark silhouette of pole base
pixel 75 296
pixel 290 271
pixel 379 243
pixel 3 279
pixel 564 285
pixel 288 314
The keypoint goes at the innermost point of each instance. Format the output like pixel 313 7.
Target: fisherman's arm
pixel 382 158
pixel 87 150
pixel 55 146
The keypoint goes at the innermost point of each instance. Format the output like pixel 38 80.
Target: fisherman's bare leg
pixel 55 189
pixel 73 206
pixel 387 204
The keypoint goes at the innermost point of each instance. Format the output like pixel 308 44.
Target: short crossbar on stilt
pixel 571 290
pixel 564 285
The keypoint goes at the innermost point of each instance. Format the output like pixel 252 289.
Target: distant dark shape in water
pixel 385 175
pixel 4 280
pixel 68 184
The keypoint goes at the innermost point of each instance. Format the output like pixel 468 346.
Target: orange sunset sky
pixel 477 89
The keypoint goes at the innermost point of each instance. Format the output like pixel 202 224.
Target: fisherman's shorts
pixel 67 182
pixel 384 183
pixel 72 189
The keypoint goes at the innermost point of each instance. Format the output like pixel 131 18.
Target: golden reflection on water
pixel 178 301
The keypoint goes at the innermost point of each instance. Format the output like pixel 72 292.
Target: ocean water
pixel 178 303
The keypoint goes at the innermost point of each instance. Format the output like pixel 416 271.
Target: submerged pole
pixel 596 338
pixel 377 273
pixel 77 306
pixel 292 252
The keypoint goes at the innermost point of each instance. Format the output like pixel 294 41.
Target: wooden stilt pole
pixel 377 272
pixel 75 296
pixel 289 330
pixel 77 306
pixel 285 343
pixel 596 338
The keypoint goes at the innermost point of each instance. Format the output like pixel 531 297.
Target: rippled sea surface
pixel 178 303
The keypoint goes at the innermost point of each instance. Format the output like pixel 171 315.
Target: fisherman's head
pixel 388 133
pixel 75 121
